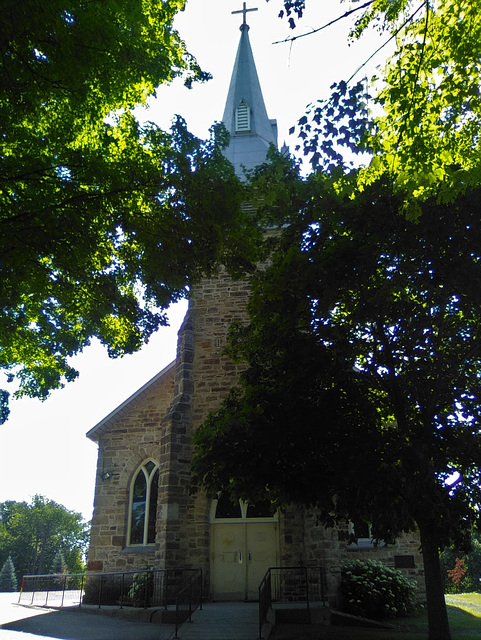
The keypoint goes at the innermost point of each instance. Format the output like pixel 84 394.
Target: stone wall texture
pixel 158 422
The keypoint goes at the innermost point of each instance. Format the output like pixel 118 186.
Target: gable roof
pixel 122 409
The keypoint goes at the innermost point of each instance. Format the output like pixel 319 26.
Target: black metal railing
pixel 290 585
pixel 181 589
pixel 188 599
pixel 265 600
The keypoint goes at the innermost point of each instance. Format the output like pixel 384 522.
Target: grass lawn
pixel 464 625
pixel 464 618
pixel 470 601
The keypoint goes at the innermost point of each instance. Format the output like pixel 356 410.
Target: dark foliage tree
pixel 361 393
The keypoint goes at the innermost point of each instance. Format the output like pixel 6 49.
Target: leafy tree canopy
pixel 420 120
pixel 35 533
pixel 361 392
pixel 103 222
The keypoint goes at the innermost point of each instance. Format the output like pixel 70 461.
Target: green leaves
pixel 141 216
pixel 362 366
pixel 103 222
pixel 33 534
pixel 419 123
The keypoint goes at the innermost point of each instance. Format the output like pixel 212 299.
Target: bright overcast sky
pixel 43 448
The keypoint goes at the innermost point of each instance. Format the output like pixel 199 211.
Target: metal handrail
pixel 296 591
pixel 191 594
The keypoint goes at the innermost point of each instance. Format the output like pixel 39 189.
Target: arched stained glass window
pixel 143 505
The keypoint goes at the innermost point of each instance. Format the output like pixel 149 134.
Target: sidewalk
pixel 216 621
pixel 223 621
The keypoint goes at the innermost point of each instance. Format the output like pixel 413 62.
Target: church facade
pixel 143 514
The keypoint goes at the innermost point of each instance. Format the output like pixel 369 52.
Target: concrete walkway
pixel 223 621
pixel 216 621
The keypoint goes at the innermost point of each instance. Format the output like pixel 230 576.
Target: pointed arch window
pixel 224 509
pixel 143 505
pixel 242 117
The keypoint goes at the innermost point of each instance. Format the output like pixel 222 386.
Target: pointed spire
pixel 245 115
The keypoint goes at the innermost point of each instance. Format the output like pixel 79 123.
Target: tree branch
pixel 345 15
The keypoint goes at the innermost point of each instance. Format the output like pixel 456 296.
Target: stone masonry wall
pixel 126 441
pixel 217 303
pixel 204 378
pixel 159 423
pixel 305 542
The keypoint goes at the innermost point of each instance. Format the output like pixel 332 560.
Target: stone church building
pixel 143 513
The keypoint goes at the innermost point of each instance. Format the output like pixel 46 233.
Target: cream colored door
pixel 228 561
pixel 241 554
pixel 261 544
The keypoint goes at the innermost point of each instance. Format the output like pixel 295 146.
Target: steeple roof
pixel 245 115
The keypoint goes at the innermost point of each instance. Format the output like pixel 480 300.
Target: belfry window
pixel 143 505
pixel 242 117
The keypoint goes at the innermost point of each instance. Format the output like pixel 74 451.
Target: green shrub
pixel 372 590
pixel 142 589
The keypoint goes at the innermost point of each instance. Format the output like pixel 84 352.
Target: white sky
pixel 43 448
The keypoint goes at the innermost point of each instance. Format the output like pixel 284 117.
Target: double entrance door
pixel 243 548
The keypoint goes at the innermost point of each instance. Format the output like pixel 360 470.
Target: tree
pixel 58 564
pixel 104 222
pixel 8 579
pixel 361 392
pixel 419 121
pixel 36 533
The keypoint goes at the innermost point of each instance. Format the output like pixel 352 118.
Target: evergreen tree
pixel 8 578
pixel 59 565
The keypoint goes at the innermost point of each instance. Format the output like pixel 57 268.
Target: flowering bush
pixel 457 574
pixel 372 590
pixel 461 570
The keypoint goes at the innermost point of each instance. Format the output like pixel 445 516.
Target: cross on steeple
pixel 244 11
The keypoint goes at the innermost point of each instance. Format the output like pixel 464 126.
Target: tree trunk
pixel 437 613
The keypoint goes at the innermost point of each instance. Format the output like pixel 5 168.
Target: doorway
pixel 244 544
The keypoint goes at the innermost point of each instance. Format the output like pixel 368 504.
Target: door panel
pixel 241 554
pixel 261 544
pixel 228 566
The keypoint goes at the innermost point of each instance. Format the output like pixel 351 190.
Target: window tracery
pixel 143 505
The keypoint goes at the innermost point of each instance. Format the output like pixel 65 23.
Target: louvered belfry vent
pixel 242 117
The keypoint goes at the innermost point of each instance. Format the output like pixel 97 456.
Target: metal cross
pixel 244 11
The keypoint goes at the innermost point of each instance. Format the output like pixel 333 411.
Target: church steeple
pixel 245 115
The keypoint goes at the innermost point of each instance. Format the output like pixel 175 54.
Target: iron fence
pixel 290 585
pixel 181 589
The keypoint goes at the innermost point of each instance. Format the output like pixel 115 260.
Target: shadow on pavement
pixel 80 625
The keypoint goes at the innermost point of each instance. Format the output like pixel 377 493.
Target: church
pixel 143 513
